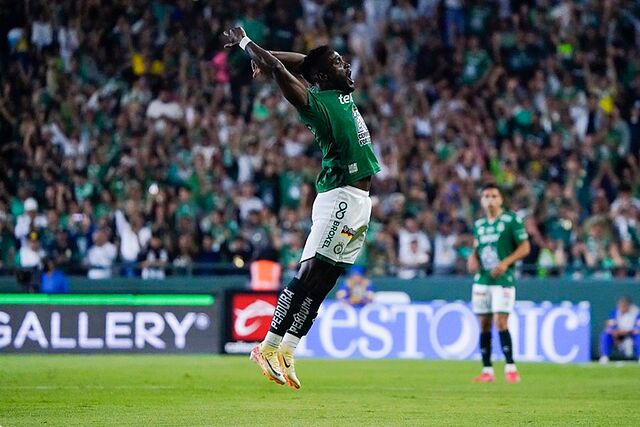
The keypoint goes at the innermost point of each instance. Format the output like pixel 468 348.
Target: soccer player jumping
pixel 319 86
pixel 500 240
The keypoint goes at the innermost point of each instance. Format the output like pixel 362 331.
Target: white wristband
pixel 244 42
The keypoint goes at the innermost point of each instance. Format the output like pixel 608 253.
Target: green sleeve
pixel 518 231
pixel 310 113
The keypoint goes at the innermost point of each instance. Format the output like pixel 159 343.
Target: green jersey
pixel 343 137
pixel 494 241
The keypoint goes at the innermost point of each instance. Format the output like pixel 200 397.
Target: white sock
pixel 290 341
pixel 487 370
pixel 510 367
pixel 272 339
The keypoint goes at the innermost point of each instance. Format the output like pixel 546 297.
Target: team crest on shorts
pixel 349 232
pixel 338 248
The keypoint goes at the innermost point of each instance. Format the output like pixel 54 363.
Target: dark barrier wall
pixel 601 294
pixel 173 285
pixel 35 323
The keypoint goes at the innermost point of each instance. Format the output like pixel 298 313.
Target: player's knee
pixel 318 277
pixel 307 275
pixel 607 335
pixel 303 272
pixel 502 322
pixel 486 323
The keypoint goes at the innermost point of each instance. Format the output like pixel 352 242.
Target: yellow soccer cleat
pixel 266 357
pixel 288 368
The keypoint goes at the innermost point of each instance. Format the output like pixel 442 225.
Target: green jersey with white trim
pixel 343 137
pixel 494 241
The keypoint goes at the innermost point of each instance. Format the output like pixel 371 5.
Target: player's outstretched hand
pixel 234 35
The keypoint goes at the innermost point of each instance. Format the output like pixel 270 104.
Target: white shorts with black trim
pixel 340 221
pixel 488 299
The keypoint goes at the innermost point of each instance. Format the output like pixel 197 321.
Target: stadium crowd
pixel 129 136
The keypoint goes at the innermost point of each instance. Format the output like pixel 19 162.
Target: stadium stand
pixel 126 122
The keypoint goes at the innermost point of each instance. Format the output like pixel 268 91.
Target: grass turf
pixel 216 390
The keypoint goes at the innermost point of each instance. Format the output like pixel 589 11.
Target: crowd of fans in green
pixel 130 137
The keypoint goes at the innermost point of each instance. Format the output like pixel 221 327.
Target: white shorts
pixel 340 221
pixel 488 299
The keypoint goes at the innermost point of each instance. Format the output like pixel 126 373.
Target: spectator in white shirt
pixel 625 212
pixel 444 249
pixel 30 258
pixel 413 261
pixel 414 250
pixel 206 149
pixel 248 162
pixel 41 31
pixel 100 256
pixel 134 237
pixel 154 259
pixel 625 200
pixel 468 167
pixel 163 109
pixel 31 254
pixel 247 201
pixel 29 220
pixel 68 42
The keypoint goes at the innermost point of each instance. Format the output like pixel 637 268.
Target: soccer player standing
pixel 500 240
pixel 319 86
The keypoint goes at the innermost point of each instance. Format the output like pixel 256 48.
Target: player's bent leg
pixel 606 344
pixel 317 278
pixel 289 303
pixel 340 217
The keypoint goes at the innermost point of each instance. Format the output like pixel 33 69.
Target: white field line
pixel 77 387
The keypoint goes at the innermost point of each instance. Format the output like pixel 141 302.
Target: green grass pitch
pixel 216 390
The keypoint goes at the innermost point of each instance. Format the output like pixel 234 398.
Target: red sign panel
pixel 251 315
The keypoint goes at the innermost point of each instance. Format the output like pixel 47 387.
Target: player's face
pixel 339 73
pixel 623 306
pixel 491 199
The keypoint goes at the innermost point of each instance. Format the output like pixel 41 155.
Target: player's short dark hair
pixel 313 60
pixel 491 186
pixel 625 298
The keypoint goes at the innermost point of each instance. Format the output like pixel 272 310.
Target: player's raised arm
pixel 292 88
pixel 292 60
